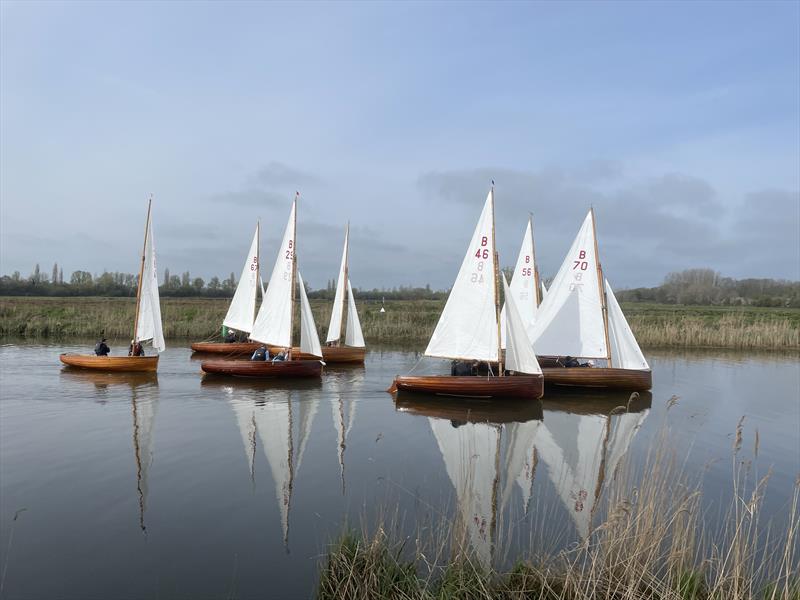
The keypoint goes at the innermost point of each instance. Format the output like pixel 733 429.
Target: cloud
pixel 250 197
pixel 281 175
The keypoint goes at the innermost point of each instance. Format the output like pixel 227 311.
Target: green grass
pixel 407 321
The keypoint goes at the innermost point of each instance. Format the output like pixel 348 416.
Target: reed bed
pixel 405 321
pixel 654 543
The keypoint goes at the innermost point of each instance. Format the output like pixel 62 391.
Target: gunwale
pixel 110 363
pixel 529 387
pixel 230 349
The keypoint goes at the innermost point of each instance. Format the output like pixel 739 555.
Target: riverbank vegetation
pixel 653 541
pixel 409 321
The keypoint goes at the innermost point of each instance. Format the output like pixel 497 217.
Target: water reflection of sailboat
pixel 469 436
pixel 344 411
pixel 144 414
pixel 582 448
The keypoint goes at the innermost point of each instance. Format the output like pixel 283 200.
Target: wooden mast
pixel 496 274
pixel 141 270
pixel 536 283
pixel 294 269
pixel 602 289
pixel 346 277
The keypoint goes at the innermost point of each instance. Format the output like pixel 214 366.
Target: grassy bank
pixel 652 542
pixel 404 321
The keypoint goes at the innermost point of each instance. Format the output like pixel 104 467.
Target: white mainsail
pixel 353 336
pixel 149 320
pixel 520 356
pixel 570 319
pixel 337 312
pixel 309 339
pixel 273 324
pixel 523 284
pixel 467 328
pixel 242 310
pixel 470 453
pixel 625 351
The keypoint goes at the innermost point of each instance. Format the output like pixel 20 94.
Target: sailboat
pixel 242 310
pixel 146 323
pixel 274 323
pixel 353 350
pixel 580 317
pixel 469 329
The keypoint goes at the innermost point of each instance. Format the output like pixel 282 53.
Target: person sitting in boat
pixel 230 337
pixel 571 362
pixel 260 354
pixel 461 368
pixel 280 356
pixel 136 349
pixel 101 348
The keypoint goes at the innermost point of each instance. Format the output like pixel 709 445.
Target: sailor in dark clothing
pixel 230 337
pixel 569 362
pixel 101 348
pixel 281 356
pixel 135 349
pixel 261 354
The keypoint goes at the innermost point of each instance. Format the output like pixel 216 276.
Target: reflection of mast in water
pixel 344 424
pixel 144 413
pixel 246 419
pixel 471 453
pixel 581 451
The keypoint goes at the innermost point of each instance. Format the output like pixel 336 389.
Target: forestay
pixel 520 356
pixel 273 324
pixel 309 340
pixel 353 336
pixel 625 351
pixel 569 321
pixel 523 284
pixel 242 310
pixel 149 323
pixel 335 326
pixel 467 328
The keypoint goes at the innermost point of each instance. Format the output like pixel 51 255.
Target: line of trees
pixel 691 286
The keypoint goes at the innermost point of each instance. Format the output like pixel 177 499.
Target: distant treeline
pixel 113 284
pixel 707 287
pixel 693 286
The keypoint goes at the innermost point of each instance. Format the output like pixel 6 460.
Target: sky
pixel 678 122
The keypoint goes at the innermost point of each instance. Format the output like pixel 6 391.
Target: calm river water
pixel 174 486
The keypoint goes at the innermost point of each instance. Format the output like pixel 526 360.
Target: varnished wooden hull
pixel 263 369
pixel 234 349
pixel 599 377
pixel 116 364
pixel 330 354
pixel 529 387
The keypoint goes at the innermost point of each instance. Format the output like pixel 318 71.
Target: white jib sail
pixel 353 335
pixel 467 328
pixel 273 324
pixel 625 351
pixel 242 310
pixel 544 289
pixel 520 356
pixel 149 325
pixel 569 321
pixel 523 284
pixel 337 312
pixel 309 339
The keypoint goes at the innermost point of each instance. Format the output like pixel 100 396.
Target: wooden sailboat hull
pixel 111 363
pixel 229 349
pixel 599 377
pixel 330 354
pixel 529 387
pixel 263 369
